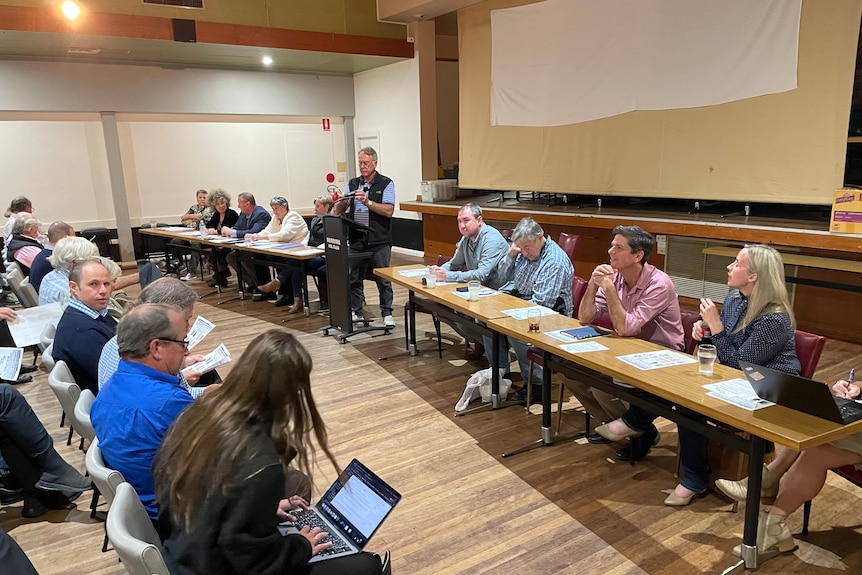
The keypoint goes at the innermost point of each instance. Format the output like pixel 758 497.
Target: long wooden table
pixel 300 254
pixel 678 386
pixel 454 309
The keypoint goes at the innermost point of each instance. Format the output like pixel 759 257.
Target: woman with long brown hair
pixel 219 472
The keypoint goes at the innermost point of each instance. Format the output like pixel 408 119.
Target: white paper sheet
pixel 218 356
pixel 737 392
pixel 10 362
pixel 521 312
pixel 582 347
pixel 413 273
pixel 27 327
pixel 657 359
pixel 198 331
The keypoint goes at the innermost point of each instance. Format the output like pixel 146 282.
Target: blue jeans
pixel 693 447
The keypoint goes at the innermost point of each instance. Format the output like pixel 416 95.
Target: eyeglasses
pixel 182 342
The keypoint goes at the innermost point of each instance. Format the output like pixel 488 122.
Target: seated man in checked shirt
pixel 537 270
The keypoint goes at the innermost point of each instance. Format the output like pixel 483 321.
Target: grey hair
pixel 24 224
pixel 326 200
pixel 369 151
pixel 71 248
pixel 114 270
pixel 58 230
pixel 247 196
pixel 638 238
pixel 527 229
pixel 141 325
pixel 474 209
pixel 170 291
pixel 218 196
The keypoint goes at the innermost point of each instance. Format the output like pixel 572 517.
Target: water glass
pixel 706 356
pixel 473 288
pixel 430 279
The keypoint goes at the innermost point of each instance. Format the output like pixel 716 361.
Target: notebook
pixel 801 394
pixel 351 510
pixel 585 332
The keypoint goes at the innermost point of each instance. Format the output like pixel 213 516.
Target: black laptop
pixel 801 394
pixel 351 510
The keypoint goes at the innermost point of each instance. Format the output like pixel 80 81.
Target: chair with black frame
pixel 131 532
pixel 105 482
pixel 534 354
pixel 423 306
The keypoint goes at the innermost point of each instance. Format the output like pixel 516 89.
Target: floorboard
pixel 569 508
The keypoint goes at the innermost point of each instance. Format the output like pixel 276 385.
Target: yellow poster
pixel 847 212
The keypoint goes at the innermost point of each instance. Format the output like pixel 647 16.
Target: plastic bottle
pixel 707 335
pixel 202 228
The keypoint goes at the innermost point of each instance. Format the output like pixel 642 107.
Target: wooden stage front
pixel 566 509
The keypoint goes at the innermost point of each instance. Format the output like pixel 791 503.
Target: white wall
pixel 387 104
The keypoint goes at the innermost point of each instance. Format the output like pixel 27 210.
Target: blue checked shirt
pixel 546 281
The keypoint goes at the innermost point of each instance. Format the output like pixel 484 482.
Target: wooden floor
pixel 569 508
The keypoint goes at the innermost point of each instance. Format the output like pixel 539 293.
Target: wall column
pixel 424 34
pixel 118 186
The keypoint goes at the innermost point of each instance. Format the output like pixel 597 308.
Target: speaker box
pixel 184 30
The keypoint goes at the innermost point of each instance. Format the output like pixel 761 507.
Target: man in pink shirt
pixel 635 299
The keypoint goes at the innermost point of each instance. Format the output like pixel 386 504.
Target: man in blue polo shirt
pixel 140 401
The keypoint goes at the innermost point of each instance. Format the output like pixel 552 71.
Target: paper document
pixel 195 233
pixel 582 347
pixel 172 228
pixel 737 392
pixel 218 240
pixel 413 273
pixel 305 252
pixel 521 312
pixel 27 327
pixel 199 330
pixel 10 362
pixel 657 359
pixel 484 292
pixel 218 356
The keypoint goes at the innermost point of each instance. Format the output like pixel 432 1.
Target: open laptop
pixel 801 394
pixel 351 510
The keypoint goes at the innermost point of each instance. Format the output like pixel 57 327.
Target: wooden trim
pixel 30 19
pixel 714 230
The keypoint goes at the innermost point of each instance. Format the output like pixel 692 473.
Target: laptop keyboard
pixel 849 409
pixel 313 520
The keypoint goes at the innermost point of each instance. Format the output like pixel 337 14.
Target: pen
pixel 852 375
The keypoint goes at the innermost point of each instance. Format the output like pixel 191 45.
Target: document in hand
pixel 27 327
pixel 218 356
pixel 10 362
pixel 199 330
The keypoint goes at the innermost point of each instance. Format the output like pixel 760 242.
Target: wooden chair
pixel 421 306
pixel 132 533
pixel 105 481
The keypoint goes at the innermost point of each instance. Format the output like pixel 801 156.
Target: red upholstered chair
pixel 534 354
pixel 420 308
pixel 808 349
pixel 569 244
pixel 689 318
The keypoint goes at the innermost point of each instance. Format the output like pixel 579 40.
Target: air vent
pixel 197 4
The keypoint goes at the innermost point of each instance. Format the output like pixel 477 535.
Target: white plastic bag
pixel 479 385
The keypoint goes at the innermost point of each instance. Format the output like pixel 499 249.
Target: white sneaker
pixel 188 276
pixel 389 321
pixel 355 317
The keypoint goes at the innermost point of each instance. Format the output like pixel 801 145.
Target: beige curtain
pixel 786 147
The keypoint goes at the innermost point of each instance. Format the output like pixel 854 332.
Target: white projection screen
pixel 786 147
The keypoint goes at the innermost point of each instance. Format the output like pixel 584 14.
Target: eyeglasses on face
pixel 182 342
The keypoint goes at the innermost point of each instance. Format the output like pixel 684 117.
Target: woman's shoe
pixel 773 536
pixel 738 490
pixel 297 305
pixel 270 287
pixel 674 500
pixel 605 431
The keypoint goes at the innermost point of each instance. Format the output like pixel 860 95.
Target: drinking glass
pixel 473 287
pixel 706 355
pixel 534 315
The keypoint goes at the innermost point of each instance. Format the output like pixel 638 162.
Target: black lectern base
pixel 366 327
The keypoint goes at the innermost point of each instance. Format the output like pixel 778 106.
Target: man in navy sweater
pixel 86 326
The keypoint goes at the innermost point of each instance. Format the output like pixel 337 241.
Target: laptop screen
pixel 358 502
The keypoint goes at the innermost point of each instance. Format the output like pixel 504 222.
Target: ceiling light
pixel 70 9
pixel 266 60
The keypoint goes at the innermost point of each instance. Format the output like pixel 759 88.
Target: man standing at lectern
pixel 372 204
